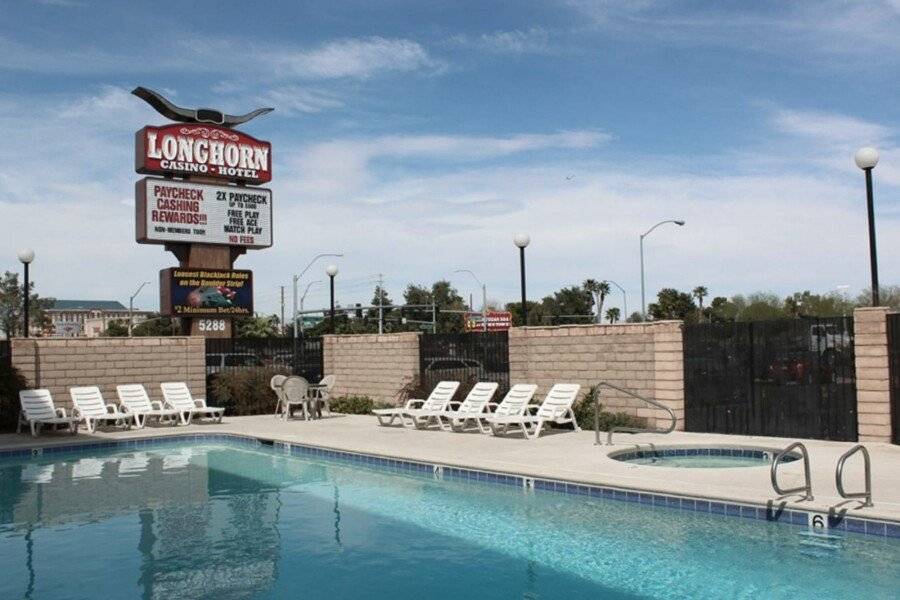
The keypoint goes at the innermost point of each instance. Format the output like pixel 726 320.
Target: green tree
pixel 116 328
pixel 444 296
pixel 700 292
pixel 888 295
pixel 156 325
pixel 256 327
pixel 12 295
pixel 599 290
pixel 672 304
pixel 612 315
pixel 568 305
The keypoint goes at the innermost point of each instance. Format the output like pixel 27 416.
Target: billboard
pixel 202 151
pixel 187 292
pixel 496 321
pixel 179 211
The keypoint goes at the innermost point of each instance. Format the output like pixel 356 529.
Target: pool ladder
pixel 649 401
pixel 806 488
pixel 839 475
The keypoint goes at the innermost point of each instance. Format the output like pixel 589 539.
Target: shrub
pixel 11 382
pixel 244 392
pixel 353 405
pixel 584 415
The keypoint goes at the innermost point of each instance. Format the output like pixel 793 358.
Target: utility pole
pixel 433 317
pixel 131 307
pixel 380 309
pixel 282 310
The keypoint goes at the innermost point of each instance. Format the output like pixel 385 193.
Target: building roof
pixel 87 305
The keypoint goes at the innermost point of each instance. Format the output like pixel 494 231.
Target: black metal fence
pixel 894 356
pixel 302 356
pixel 465 357
pixel 5 353
pixel 786 378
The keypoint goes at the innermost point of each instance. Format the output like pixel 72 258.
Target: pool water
pixel 226 521
pixel 700 458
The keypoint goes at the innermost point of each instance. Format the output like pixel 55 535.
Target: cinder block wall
pixel 873 377
pixel 372 365
pixel 58 364
pixel 644 357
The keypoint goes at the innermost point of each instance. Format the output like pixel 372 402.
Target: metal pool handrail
pixel 807 486
pixel 649 401
pixel 839 475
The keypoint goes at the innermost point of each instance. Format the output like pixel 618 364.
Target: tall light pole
pixel 331 270
pixel 624 298
pixel 297 278
pixel 522 240
pixel 26 256
pixel 483 297
pixel 643 235
pixel 866 159
pixel 303 297
pixel 131 306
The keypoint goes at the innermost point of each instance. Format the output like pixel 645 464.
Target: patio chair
pixel 178 397
pixel 295 390
pixel 134 400
pixel 556 408
pixel 438 400
pixel 323 392
pixel 38 410
pixel 275 383
pixel 89 406
pixel 514 403
pixel 475 403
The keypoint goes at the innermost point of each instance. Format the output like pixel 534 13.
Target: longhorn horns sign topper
pixel 193 115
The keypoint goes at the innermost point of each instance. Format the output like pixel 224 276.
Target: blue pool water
pixel 224 521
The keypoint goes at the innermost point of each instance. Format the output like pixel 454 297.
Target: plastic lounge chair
pixel 178 397
pixel 323 392
pixel 38 410
pixel 89 406
pixel 438 400
pixel 275 383
pixel 514 403
pixel 556 408
pixel 475 403
pixel 134 400
pixel 295 390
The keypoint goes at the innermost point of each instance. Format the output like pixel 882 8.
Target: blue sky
pixel 419 137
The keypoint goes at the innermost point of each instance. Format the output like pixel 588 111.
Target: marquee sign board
pixel 170 211
pixel 188 292
pixel 496 321
pixel 202 151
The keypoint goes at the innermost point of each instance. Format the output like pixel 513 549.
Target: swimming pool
pixel 232 520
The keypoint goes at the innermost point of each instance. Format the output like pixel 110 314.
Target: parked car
pixel 454 369
pixel 218 362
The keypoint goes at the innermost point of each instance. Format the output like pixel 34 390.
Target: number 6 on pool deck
pixel 818 521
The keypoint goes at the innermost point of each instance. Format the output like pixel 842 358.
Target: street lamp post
pixel 331 271
pixel 131 306
pixel 26 256
pixel 297 278
pixel 866 159
pixel 522 240
pixel 303 297
pixel 483 297
pixel 624 298
pixel 643 235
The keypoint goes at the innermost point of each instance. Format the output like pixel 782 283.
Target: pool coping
pixel 772 512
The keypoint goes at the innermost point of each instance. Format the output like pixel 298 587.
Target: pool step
pixel 820 544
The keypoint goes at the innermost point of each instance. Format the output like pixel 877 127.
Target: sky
pixel 418 138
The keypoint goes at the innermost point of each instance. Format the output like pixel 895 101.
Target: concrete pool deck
pixel 564 455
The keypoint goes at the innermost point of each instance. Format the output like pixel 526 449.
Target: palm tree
pixel 612 315
pixel 700 292
pixel 599 291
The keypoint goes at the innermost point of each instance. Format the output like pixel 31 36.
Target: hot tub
pixel 701 457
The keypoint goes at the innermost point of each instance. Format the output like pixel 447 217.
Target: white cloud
pixel 832 128
pixel 517 41
pixel 360 58
pixel 296 99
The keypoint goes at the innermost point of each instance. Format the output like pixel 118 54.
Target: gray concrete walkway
pixel 565 455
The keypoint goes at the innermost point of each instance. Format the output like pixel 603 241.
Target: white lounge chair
pixel 514 403
pixel 475 404
pixel 556 408
pixel 178 397
pixel 134 400
pixel 89 406
pixel 38 410
pixel 438 400
pixel 275 384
